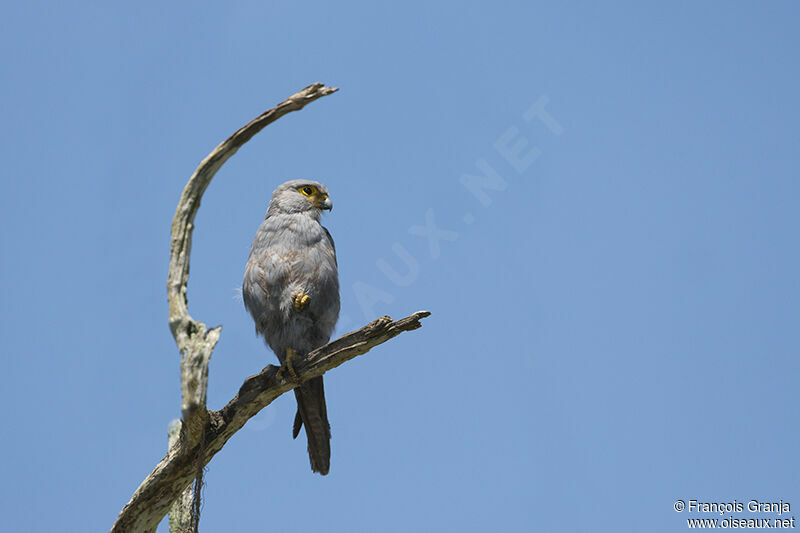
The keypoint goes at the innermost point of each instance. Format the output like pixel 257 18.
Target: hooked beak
pixel 326 204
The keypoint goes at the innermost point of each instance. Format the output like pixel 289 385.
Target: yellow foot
pixel 288 366
pixel 301 301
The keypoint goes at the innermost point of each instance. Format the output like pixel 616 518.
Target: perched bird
pixel 291 289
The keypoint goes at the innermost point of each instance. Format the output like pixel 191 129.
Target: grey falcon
pixel 291 289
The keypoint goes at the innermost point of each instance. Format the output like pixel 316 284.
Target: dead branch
pixel 202 433
pixel 177 469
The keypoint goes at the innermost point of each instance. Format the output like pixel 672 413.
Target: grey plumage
pixel 293 256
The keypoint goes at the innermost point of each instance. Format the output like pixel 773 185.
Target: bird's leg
pixel 288 366
pixel 301 300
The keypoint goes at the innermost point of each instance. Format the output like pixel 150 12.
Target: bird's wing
pixel 333 245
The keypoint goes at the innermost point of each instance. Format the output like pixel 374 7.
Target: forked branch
pixel 175 472
pixel 202 433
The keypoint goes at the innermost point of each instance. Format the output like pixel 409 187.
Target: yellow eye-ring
pixel 308 190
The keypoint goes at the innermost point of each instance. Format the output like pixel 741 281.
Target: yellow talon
pixel 301 301
pixel 288 366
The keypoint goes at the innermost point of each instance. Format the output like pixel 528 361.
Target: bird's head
pixel 298 196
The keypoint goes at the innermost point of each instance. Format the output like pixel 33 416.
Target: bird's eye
pixel 308 191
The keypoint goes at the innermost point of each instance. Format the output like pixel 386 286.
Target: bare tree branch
pixel 202 433
pixel 177 469
pixel 180 513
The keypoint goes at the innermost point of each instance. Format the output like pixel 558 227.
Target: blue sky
pixel 614 325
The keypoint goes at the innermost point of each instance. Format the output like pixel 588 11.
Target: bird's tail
pixel 312 412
